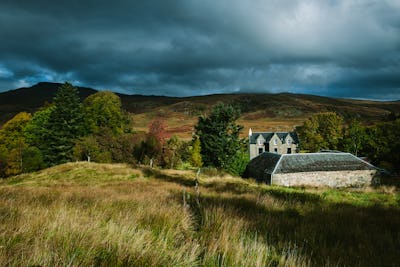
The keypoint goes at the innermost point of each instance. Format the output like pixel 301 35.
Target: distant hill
pixel 262 112
pixel 31 98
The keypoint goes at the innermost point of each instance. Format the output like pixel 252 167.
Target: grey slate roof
pixel 262 164
pixel 312 162
pixel 271 163
pixel 268 135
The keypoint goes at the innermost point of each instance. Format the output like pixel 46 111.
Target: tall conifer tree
pixel 219 135
pixel 65 125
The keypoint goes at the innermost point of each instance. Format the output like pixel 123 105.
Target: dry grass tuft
pixel 88 214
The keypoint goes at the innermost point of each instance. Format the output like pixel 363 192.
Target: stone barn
pixel 311 169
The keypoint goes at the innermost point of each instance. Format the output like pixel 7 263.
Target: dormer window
pixel 260 142
pixel 275 141
pixel 289 141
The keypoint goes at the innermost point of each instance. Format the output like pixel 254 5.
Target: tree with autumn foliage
pixel 321 131
pixel 195 153
pixel 16 155
pixel 171 152
pixel 104 110
pixel 355 138
pixel 109 135
pixel 382 145
pixel 150 149
pixel 12 143
pixel 158 129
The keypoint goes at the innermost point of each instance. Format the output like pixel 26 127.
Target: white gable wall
pixel 281 148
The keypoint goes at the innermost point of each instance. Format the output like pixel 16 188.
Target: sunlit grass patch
pixel 88 214
pixel 358 198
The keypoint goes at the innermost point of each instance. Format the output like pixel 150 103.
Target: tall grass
pixel 87 214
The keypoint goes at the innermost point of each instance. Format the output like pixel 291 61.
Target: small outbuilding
pixel 333 169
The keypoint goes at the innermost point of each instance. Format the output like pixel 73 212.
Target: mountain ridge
pixel 281 111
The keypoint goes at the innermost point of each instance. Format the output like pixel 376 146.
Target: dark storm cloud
pixel 337 48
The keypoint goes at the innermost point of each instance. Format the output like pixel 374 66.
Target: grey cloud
pixel 193 47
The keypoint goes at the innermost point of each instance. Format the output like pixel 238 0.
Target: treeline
pixel 96 130
pixel 379 143
pixel 99 130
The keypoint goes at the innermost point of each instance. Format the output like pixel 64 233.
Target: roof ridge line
pixel 323 153
pixel 276 132
pixel 276 166
pixel 363 161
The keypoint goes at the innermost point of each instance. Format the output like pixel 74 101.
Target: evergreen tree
pixel 35 131
pixel 219 135
pixel 32 159
pixel 239 162
pixel 65 125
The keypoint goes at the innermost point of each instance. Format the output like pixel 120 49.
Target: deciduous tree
pixel 12 131
pixel 195 153
pixel 171 156
pixel 158 129
pixel 321 131
pixel 355 137
pixel 104 110
pixel 383 145
pixel 14 145
pixel 16 154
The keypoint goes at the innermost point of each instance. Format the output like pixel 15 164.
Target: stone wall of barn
pixel 357 178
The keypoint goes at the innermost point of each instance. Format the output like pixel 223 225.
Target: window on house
pixel 275 150
pixel 289 150
pixel 260 142
pixel 260 150
pixel 289 142
pixel 275 141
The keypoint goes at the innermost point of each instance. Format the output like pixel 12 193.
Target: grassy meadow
pixel 88 214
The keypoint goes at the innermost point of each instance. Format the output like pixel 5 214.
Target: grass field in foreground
pixel 88 214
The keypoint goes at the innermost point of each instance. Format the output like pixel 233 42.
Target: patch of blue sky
pixel 5 73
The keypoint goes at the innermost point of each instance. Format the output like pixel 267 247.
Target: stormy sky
pixel 344 48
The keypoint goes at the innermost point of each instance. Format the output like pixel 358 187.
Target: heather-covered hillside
pixel 274 112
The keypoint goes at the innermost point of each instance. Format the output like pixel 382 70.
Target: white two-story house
pixel 275 142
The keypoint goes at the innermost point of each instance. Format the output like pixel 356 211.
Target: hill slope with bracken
pixel 274 112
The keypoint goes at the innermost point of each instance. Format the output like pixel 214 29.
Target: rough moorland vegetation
pixel 98 129
pixel 275 112
pixel 89 214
